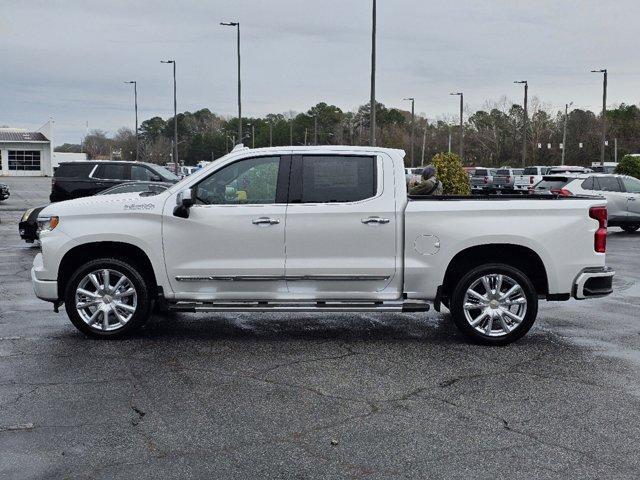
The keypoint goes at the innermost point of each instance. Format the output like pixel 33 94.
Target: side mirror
pixel 185 200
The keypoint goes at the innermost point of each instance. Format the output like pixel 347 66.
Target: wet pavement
pixel 316 396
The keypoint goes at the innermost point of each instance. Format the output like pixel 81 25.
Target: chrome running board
pixel 301 306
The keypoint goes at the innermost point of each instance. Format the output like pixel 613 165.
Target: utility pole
pixel 237 25
pixel 270 134
pixel 615 150
pixel 306 131
pixel 291 132
pixel 604 113
pixel 525 122
pixel 175 116
pixel 413 129
pixel 315 130
pixel 449 139
pixel 564 130
pixel 253 136
pixel 424 142
pixel 372 132
pixel 135 103
pixel 461 95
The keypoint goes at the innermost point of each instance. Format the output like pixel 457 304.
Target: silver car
pixel 482 180
pixel 622 194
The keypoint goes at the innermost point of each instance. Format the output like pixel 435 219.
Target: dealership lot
pixel 324 396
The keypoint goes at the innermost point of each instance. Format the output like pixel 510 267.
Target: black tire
pixel 630 228
pixel 143 304
pixel 512 274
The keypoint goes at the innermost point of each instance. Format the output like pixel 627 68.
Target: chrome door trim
pixel 290 278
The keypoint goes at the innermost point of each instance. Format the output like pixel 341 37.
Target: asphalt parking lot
pixel 316 396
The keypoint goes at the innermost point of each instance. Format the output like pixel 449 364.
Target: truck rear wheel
pixel 107 298
pixel 494 304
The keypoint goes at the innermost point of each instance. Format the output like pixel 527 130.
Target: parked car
pixel 622 194
pixel 4 191
pixel 28 225
pixel 529 178
pixel 609 167
pixel 86 178
pixel 355 241
pixel 504 179
pixel 482 180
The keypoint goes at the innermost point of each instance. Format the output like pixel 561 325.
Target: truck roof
pixel 319 148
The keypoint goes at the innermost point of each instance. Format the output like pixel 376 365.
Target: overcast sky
pixel 68 59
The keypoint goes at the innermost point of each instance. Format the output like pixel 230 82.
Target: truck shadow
pixel 432 327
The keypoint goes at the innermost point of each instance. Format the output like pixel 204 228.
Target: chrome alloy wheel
pixel 495 305
pixel 106 299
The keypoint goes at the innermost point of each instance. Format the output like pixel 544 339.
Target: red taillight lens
pixel 562 192
pixel 600 237
pixel 531 179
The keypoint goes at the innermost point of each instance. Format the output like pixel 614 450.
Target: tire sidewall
pixel 457 300
pixel 132 272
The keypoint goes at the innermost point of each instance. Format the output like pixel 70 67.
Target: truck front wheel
pixel 494 304
pixel 107 298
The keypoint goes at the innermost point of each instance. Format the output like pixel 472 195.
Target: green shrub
pixel 629 165
pixel 455 180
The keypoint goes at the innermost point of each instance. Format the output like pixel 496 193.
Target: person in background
pixel 429 183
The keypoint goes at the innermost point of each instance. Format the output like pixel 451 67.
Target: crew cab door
pixel 632 187
pixel 232 244
pixel 341 239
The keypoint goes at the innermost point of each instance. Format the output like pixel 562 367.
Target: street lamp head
pixel 409 99
pixel 520 81
pixel 456 93
pixel 604 70
pixel 230 24
pixel 167 61
pixel 131 81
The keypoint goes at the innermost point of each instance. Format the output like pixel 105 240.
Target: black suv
pixel 85 178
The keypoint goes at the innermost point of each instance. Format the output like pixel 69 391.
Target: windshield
pixel 164 173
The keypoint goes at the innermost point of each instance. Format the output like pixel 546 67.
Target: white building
pixel 24 153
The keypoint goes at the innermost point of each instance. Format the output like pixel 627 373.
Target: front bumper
pixel 593 282
pixel 44 289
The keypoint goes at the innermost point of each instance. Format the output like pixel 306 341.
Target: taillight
pixel 531 179
pixel 486 179
pixel 563 192
pixel 600 237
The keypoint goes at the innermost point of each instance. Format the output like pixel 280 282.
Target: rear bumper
pixel 44 289
pixel 593 282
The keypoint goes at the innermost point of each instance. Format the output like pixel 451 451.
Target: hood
pixel 121 203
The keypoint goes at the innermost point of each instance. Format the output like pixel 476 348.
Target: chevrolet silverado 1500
pixel 318 229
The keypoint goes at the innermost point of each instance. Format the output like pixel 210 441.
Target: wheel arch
pixel 517 256
pixel 80 254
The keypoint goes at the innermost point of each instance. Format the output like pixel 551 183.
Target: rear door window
pixel 609 184
pixel 335 178
pixel 588 184
pixel 112 171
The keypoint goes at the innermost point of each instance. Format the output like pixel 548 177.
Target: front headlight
pixel 26 215
pixel 46 224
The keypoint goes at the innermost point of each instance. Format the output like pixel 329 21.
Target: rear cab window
pixel 333 178
pixel 74 170
pixel 481 172
pixel 552 183
pixel 503 173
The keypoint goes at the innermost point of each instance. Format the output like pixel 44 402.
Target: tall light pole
pixel 315 129
pixel 564 130
pixel 135 104
pixel 372 132
pixel 461 95
pixel 604 112
pixel 525 122
pixel 237 25
pixel 175 115
pixel 413 125
pixel 270 134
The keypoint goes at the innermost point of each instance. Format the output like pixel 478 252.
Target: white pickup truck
pixel 317 229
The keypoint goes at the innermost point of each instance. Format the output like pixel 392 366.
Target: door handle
pixel 378 220
pixel 265 221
